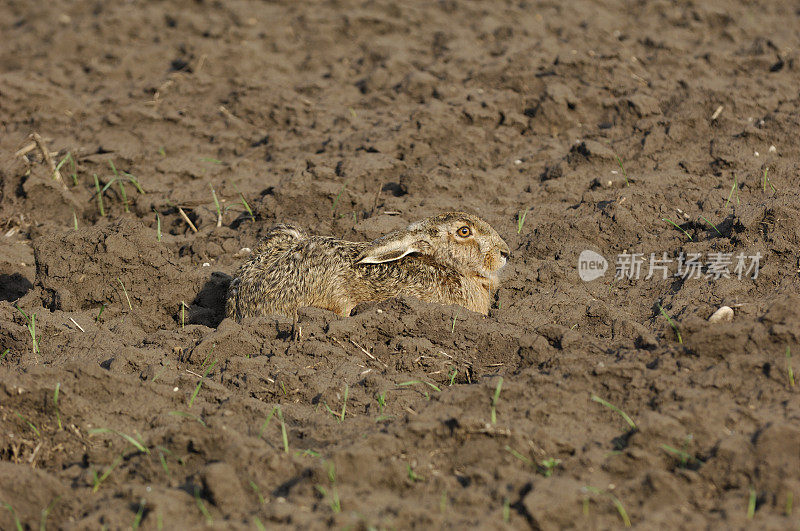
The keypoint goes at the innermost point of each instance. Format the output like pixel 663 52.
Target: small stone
pixel 723 314
pixel 773 149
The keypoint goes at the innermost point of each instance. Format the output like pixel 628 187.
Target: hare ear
pixel 390 249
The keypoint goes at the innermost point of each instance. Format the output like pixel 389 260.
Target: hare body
pixel 452 258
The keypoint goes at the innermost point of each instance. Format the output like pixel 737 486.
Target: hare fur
pixel 451 258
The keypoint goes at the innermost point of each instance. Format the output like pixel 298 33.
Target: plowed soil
pixel 619 127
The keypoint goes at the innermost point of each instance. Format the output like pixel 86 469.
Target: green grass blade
pixel 671 323
pixel 200 383
pixel 677 227
pixel 136 444
pixel 17 523
pixel 612 407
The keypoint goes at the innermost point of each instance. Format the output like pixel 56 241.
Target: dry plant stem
pixel 48 159
pixel 76 324
pixel 187 220
pixel 24 150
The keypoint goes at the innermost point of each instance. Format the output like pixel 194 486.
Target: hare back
pixel 286 273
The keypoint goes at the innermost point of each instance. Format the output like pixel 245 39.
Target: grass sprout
pixel 163 460
pixel 306 453
pixel 671 323
pixel 245 204
pixel 130 306
pixel 29 423
pixel 684 457
pixel 176 413
pixel 521 457
pixel 120 180
pixel 677 227
pixel 138 518
pixel 618 504
pixel 340 416
pixel 765 179
pixel 202 506
pixel 136 444
pixel 74 220
pixel 121 186
pixel 200 383
pixel 789 369
pixel 381 398
pixel 495 398
pixel 31 324
pixel 266 422
pixel 158 225
pixel 257 490
pixel 734 188
pixel 98 480
pixel 55 404
pixel 336 200
pixel 285 436
pixel 216 205
pixel 333 497
pixel 135 182
pixel 712 225
pixel 521 215
pixel 414 382
pixel 46 512
pixel 413 476
pixel 4 354
pixel 284 433
pixel 751 504
pixel 612 407
pixel 68 158
pixel 453 328
pixel 548 466
pixel 17 523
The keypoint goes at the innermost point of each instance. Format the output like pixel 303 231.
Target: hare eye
pixel 464 231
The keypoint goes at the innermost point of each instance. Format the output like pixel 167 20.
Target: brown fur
pixel 428 260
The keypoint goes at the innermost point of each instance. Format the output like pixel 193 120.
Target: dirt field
pixel 617 127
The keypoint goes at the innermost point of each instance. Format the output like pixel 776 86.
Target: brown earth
pixel 354 118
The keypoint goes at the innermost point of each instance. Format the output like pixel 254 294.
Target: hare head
pixel 459 240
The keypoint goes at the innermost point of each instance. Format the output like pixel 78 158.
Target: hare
pixel 452 258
